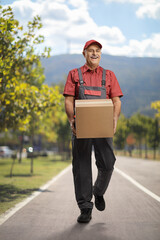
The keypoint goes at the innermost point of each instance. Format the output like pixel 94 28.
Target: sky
pixel 123 27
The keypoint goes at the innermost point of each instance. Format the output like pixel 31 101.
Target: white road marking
pixel 141 187
pixel 4 217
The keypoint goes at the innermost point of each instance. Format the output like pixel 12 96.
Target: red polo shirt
pixel 92 78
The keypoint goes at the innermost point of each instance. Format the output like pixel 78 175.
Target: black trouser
pixel 82 169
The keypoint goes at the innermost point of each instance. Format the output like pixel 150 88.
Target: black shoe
pixel 99 202
pixel 86 215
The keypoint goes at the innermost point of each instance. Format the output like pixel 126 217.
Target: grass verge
pixel 135 154
pixel 14 189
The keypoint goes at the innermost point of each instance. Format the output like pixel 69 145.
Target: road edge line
pixel 9 213
pixel 137 184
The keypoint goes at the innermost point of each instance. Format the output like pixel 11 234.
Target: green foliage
pixel 138 130
pixel 121 132
pixel 54 125
pixel 156 105
pixel 138 125
pixel 153 134
pixel 23 96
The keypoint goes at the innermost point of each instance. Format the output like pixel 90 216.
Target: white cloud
pixel 78 4
pixel 133 1
pixel 146 8
pixel 149 10
pixel 68 25
pixel 66 21
pixel 146 48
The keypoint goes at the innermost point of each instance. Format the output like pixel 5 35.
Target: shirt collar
pixel 86 68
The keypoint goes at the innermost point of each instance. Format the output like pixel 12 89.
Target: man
pixel 94 78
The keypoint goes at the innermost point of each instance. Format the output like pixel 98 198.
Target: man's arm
pixel 117 110
pixel 69 107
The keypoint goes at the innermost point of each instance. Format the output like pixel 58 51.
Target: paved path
pixel 131 214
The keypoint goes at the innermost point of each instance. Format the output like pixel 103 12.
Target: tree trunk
pixel 154 155
pixel 140 150
pixel 130 151
pixel 32 143
pixel 146 149
pixel 32 155
pixel 21 147
pixel 32 164
pixel 11 171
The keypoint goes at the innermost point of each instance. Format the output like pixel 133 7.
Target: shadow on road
pixel 22 175
pixel 96 231
pixel 9 192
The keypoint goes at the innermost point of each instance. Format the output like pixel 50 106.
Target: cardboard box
pixel 94 118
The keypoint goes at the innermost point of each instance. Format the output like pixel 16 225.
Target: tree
pixel 55 126
pixel 147 125
pixel 23 96
pixel 156 105
pixel 121 132
pixel 154 135
pixel 20 68
pixel 138 128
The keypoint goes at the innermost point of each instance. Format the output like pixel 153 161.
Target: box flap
pixel 93 102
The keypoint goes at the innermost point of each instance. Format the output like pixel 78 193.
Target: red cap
pixel 91 42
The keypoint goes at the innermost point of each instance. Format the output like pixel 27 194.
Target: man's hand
pixel 72 125
pixel 69 107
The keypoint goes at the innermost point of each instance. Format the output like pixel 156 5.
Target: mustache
pixel 94 56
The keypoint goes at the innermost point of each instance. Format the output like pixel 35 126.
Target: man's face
pixel 92 55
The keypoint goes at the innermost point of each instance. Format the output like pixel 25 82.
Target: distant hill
pixel 139 78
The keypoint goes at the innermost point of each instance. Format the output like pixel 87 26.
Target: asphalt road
pixel 130 214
